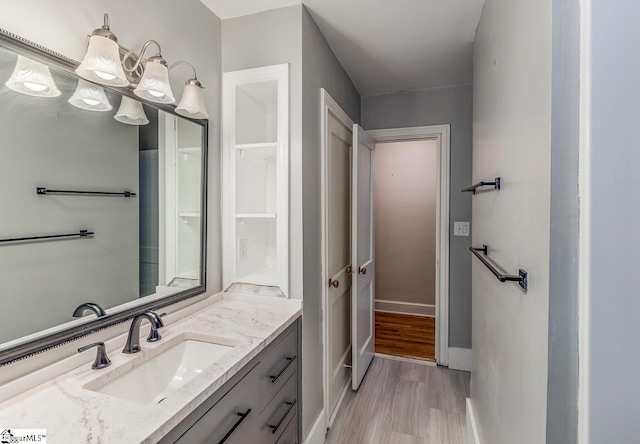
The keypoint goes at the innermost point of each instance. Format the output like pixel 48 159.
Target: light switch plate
pixel 461 229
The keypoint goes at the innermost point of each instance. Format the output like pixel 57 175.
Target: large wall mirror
pixel 102 202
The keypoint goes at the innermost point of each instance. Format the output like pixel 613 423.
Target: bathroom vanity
pixel 249 394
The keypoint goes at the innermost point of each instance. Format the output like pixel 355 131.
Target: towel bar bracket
pixel 496 184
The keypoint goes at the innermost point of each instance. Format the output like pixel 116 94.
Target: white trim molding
pixel 472 424
pixel 442 134
pixel 406 308
pixel 460 358
pixel 318 433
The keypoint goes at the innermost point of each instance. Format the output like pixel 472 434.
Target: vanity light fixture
pixel 102 63
pixel 32 78
pixel 90 97
pixel 192 103
pixel 131 112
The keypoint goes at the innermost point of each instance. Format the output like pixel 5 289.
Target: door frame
pixel 442 135
pixel 328 107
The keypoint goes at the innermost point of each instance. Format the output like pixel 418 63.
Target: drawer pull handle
pixel 290 361
pixel 242 416
pixel 274 428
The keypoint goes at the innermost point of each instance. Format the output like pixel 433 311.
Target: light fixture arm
pixel 181 62
pixel 130 53
pixel 193 80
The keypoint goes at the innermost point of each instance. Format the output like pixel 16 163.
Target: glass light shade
pixel 90 97
pixel 32 78
pixel 102 63
pixel 192 103
pixel 154 85
pixel 131 112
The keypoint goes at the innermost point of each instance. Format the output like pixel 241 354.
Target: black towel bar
pixel 44 191
pixel 472 189
pixel 522 278
pixel 81 233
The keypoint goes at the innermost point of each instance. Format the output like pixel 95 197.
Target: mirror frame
pixel 37 52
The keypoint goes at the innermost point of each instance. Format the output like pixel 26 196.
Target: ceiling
pixel 388 45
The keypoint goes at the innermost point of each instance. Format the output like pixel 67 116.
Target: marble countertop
pixel 73 414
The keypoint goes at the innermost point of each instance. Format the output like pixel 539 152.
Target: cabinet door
pixel 235 419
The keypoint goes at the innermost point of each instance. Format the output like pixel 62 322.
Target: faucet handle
pixel 102 360
pixel 157 323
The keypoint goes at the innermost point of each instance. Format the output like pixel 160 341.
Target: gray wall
pixel 187 30
pixel 512 139
pixel 562 386
pixel 452 105
pixel 320 69
pixel 610 213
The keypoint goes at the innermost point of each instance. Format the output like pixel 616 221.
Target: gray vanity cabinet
pixel 233 419
pixel 258 405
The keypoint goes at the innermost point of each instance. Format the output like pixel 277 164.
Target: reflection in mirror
pixel 98 208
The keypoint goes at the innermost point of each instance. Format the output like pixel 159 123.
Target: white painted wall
pixel 511 135
pixel 187 30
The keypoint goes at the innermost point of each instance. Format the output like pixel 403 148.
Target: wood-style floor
pixel 406 336
pixel 404 403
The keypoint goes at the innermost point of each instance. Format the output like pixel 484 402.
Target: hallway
pixel 402 403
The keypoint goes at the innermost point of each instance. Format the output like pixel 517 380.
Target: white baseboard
pixel 343 393
pixel 318 432
pixel 408 308
pixel 409 360
pixel 472 425
pixel 460 358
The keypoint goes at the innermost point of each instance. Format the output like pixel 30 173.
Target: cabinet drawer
pixel 234 419
pixel 277 367
pixel 281 409
pixel 290 434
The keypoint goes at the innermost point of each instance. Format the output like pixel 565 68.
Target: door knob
pixel 362 270
pixel 349 269
pixel 334 284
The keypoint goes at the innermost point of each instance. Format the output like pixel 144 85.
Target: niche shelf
pixel 255 176
pixel 256 216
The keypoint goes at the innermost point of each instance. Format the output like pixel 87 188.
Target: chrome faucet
pixel 133 340
pixel 89 306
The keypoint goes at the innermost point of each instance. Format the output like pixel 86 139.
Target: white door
pixel 339 142
pixel 362 298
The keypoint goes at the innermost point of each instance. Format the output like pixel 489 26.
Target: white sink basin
pixel 154 380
